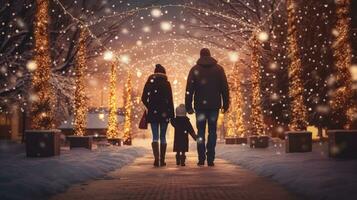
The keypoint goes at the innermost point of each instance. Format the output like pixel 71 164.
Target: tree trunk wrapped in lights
pixel 342 98
pixel 42 93
pixel 112 132
pixel 296 87
pixel 128 106
pixel 235 115
pixel 258 126
pixel 80 108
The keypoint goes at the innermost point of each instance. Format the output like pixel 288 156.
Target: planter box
pixel 42 143
pixel 115 141
pixel 80 142
pixel 259 141
pixel 242 140
pixel 127 142
pixel 99 138
pixel 231 140
pixel 238 140
pixel 342 144
pixel 298 141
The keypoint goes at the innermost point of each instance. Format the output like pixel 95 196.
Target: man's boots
pixel 183 159
pixel 162 154
pixel 155 151
pixel 178 157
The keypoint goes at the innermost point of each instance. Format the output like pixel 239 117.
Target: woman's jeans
pixel 204 117
pixel 155 128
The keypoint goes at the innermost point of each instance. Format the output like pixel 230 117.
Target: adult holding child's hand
pixel 207 86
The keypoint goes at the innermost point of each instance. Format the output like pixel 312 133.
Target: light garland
pixel 342 98
pixel 258 126
pixel 42 108
pixel 112 132
pixel 296 87
pixel 128 106
pixel 80 106
pixel 234 117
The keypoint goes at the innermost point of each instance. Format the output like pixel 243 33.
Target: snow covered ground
pixel 38 178
pixel 312 175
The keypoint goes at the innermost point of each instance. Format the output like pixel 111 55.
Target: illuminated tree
pixel 112 131
pixel 258 126
pixel 80 107
pixel 42 108
pixel 296 87
pixel 234 117
pixel 342 98
pixel 128 106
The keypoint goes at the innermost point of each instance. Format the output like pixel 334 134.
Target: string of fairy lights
pixel 128 107
pixel 342 98
pixel 43 100
pixel 80 105
pixel 296 88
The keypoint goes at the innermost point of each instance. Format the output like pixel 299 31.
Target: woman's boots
pixel 162 154
pixel 155 149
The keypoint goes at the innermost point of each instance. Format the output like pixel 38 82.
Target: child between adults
pixel 183 127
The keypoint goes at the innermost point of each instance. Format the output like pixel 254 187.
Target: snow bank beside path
pixel 312 175
pixel 38 178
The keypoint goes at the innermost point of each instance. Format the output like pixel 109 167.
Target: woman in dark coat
pixel 183 127
pixel 157 98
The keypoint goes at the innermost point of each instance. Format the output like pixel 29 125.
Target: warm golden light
pixel 112 131
pixel 128 106
pixel 31 65
pixel 42 108
pixel 342 100
pixel 353 71
pixel 258 126
pixel 108 55
pixel 263 36
pixel 296 87
pixel 125 59
pixel 233 56
pixel 80 105
pixel 166 26
pixel 156 12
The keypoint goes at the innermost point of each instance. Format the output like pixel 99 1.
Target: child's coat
pixel 182 127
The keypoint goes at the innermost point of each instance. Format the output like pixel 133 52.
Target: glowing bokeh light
pixel 156 13
pixel 108 55
pixel 31 65
pixel 233 56
pixel 263 36
pixel 166 26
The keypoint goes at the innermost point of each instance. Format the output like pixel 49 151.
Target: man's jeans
pixel 155 128
pixel 202 118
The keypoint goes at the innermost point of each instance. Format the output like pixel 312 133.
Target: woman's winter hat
pixel 181 110
pixel 205 52
pixel 159 69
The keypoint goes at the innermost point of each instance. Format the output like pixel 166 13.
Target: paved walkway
pixel 140 181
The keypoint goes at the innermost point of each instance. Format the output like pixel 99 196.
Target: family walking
pixel 207 87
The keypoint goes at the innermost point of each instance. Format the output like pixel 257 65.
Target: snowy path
pixel 39 178
pixel 142 181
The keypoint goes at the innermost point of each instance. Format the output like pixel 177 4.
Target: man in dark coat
pixel 157 98
pixel 207 86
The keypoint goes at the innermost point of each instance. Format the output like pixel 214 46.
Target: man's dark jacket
pixel 207 85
